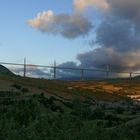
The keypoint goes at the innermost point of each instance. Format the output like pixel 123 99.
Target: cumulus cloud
pixel 69 26
pixel 82 5
pixel 118 36
pixel 123 8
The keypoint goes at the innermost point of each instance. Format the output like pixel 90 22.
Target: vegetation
pixel 37 117
pixel 4 71
pixel 58 112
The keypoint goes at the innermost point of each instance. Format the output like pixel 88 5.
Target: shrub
pixel 24 90
pixel 98 113
pixel 17 86
pixel 119 110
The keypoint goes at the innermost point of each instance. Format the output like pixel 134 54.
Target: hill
pixel 60 110
pixel 5 71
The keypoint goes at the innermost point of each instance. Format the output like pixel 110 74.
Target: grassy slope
pixel 68 90
pixel 68 110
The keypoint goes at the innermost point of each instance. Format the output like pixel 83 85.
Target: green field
pixel 38 109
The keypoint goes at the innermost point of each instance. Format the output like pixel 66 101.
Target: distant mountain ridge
pixel 5 71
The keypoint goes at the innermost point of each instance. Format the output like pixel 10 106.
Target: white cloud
pixel 69 26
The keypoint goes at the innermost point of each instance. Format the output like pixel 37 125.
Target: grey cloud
pixel 77 73
pixel 129 9
pixel 65 73
pixel 69 64
pixel 120 61
pixel 119 34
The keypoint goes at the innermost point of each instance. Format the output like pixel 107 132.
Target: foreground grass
pixel 27 116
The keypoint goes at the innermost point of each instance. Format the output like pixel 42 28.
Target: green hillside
pixel 5 71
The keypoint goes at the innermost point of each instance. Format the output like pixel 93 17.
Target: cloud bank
pixel 118 36
pixel 120 61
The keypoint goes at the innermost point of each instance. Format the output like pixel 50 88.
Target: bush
pixel 119 110
pixel 98 113
pixel 17 86
pixel 24 90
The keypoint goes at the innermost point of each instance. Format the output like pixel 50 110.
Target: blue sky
pixel 19 40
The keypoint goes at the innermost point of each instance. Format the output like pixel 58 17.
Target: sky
pixel 19 40
pixel 75 33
